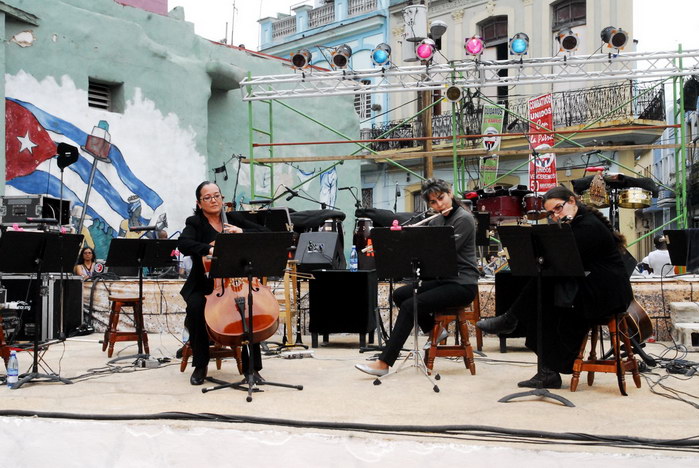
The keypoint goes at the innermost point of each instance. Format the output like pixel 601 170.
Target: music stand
pixel 141 252
pixel 274 219
pixel 414 253
pixel 246 255
pixel 38 252
pixel 538 251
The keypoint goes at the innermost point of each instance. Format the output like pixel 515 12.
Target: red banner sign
pixel 542 168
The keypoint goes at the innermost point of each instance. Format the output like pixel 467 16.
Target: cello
pixel 226 313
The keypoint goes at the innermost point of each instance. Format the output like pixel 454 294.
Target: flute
pixel 430 218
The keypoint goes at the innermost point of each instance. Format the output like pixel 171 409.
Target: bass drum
pixel 534 206
pixel 634 197
pixel 502 207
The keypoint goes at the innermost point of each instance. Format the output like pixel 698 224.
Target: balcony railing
pixel 321 15
pixel 570 108
pixel 358 7
pixel 284 27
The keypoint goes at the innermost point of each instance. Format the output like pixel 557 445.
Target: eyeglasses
pixel 556 209
pixel 208 198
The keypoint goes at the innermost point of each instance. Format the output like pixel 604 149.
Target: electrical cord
pixel 688 444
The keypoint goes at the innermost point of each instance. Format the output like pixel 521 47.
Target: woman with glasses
pixel 86 263
pixel 570 306
pixel 434 295
pixel 197 240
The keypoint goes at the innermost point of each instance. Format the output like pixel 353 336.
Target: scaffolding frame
pixel 477 74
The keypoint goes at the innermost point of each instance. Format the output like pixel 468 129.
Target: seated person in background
pixel 86 263
pixel 659 259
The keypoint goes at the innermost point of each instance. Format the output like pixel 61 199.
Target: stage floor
pixel 119 415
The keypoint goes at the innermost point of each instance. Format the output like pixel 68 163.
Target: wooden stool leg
pixel 113 326
pixel 432 352
pixel 466 343
pixel 186 353
pixel 630 360
pixel 595 335
pixel 577 365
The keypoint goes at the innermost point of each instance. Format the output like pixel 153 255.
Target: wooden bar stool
pixel 618 333
pixel 216 351
pixel 112 335
pixel 442 319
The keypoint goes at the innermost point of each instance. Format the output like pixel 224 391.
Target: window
pixel 362 103
pixel 494 30
pixel 107 96
pixel 568 13
pixel 367 198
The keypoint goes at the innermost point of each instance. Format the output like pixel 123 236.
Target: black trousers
pixel 199 337
pixel 562 328
pixel 432 296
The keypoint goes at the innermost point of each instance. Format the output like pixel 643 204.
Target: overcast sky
pixel 659 25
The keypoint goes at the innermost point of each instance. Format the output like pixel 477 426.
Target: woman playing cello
pixel 197 240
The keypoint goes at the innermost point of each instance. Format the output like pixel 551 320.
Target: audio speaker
pixel 320 250
pixel 342 301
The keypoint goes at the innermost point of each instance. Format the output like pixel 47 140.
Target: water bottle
pixel 185 335
pixel 12 369
pixel 354 260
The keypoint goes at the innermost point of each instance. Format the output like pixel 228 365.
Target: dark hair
pixel 562 193
pixel 433 186
pixel 81 260
pixel 660 242
pixel 197 193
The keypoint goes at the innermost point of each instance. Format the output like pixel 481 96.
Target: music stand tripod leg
pixel 415 353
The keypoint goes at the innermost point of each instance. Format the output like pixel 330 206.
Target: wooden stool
pixel 111 335
pixel 216 351
pixel 618 328
pixel 442 319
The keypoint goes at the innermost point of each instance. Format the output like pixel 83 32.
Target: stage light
pixel 437 29
pixel 614 37
pixel 453 93
pixel 567 40
pixel 340 56
pixel 474 46
pixel 381 55
pixel 519 44
pixel 301 59
pixel 425 50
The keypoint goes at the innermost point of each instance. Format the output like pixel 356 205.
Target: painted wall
pixel 179 115
pixel 156 6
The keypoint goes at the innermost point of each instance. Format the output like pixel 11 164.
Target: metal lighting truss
pixel 473 74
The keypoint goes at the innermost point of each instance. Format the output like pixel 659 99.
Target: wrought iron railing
pixel 284 27
pixel 577 107
pixel 321 15
pixel 357 7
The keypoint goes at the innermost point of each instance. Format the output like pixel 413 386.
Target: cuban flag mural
pixel 142 163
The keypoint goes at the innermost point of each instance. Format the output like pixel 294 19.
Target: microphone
pixel 293 193
pixel 142 228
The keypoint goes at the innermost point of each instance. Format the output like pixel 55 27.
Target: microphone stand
pixel 295 193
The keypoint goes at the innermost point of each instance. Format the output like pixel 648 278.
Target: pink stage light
pixel 474 46
pixel 425 50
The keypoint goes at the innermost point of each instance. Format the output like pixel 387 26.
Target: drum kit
pixel 513 204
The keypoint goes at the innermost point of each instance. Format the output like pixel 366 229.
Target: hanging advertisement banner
pixel 490 125
pixel 542 168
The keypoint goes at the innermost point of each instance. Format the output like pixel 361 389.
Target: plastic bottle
pixel 185 335
pixel 12 369
pixel 354 259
